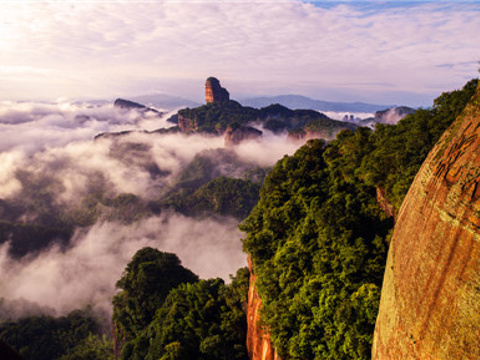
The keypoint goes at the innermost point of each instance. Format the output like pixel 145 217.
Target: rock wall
pixel 258 341
pixel 214 92
pixel 430 304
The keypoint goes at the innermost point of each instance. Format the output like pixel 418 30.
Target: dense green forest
pixel 203 188
pixel 76 336
pixel 165 312
pixel 318 239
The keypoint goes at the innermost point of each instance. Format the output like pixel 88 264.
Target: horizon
pixel 377 52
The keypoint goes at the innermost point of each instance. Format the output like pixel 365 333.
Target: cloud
pixel 262 47
pixel 52 173
pixel 86 273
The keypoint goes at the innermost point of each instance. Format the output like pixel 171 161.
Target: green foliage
pixel 315 240
pixel 318 240
pixel 72 337
pixel 91 348
pixel 199 321
pixel 202 189
pixel 216 117
pixel 222 196
pixel 145 283
pixel 399 150
pixel 204 319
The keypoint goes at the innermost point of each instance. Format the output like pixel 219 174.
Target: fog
pixel 53 172
pixel 86 273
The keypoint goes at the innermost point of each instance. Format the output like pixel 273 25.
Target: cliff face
pixel 186 124
pixel 259 345
pixel 214 92
pixel 430 304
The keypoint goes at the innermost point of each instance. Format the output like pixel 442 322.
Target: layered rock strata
pixel 430 304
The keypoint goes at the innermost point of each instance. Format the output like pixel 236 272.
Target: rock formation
pixel 259 345
pixel 186 124
pixel 131 105
pixel 214 92
pixel 430 304
pixel 236 136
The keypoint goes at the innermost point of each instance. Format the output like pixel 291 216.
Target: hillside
pixel 318 237
pixel 220 114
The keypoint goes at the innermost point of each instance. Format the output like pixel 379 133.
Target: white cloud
pixel 86 273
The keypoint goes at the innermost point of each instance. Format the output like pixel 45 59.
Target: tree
pixel 145 283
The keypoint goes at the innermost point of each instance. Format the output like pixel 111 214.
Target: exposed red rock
pixel 259 345
pixel 236 136
pixel 430 304
pixel 214 92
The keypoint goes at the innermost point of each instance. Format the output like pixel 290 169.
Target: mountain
pixel 131 105
pixel 303 102
pixel 221 115
pixel 163 101
pixel 388 116
pixel 319 235
pixel 430 306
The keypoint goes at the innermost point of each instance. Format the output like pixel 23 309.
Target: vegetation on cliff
pixel 318 239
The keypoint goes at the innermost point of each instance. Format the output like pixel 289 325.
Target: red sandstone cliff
pixel 214 92
pixel 430 304
pixel 258 341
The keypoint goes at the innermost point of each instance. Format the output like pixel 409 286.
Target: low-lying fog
pixel 50 168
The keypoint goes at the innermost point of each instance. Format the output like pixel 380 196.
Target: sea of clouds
pixel 49 150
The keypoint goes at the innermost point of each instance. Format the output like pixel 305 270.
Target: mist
pixel 54 174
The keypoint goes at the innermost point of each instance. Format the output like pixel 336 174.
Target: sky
pixel 385 52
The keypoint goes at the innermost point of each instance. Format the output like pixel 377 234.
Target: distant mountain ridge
pixel 303 102
pixel 163 101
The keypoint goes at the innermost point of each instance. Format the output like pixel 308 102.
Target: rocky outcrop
pixel 186 124
pixel 430 303
pixel 214 92
pixel 234 136
pixel 259 345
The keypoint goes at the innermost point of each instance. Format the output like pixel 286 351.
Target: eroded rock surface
pixel 430 305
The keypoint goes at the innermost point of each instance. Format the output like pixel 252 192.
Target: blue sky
pixel 389 52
